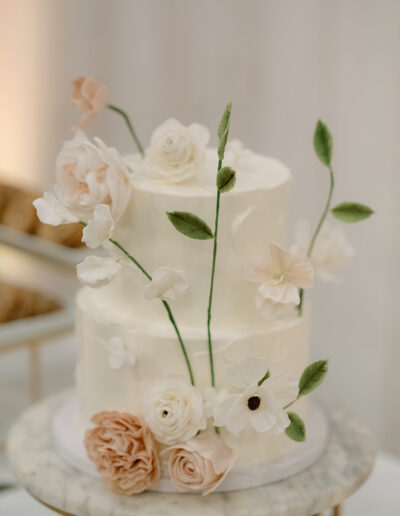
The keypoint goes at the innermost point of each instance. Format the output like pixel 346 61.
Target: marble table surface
pixel 343 468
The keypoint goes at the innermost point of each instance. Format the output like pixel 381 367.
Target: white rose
pixel 88 174
pixel 167 284
pixel 174 410
pixel 176 152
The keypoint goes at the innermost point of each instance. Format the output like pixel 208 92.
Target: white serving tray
pixel 43 248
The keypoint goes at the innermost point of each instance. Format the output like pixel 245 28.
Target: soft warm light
pixel 22 61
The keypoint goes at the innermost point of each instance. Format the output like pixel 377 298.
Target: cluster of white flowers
pixel 176 410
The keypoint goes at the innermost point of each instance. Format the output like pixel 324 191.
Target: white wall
pixel 283 64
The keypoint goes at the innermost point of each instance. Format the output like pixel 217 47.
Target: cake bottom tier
pixel 68 442
pixel 157 354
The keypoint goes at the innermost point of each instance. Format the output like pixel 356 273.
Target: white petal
pixel 284 387
pixel 263 420
pixel 50 210
pixel 283 292
pixel 247 371
pixel 116 360
pixel 96 271
pixel 99 228
pixel 200 133
pixel 282 422
pixel 167 284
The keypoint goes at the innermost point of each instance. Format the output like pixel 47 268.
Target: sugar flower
pixel 97 271
pixel 51 211
pixel 119 353
pixel 259 406
pixel 176 153
pixel 212 398
pixel 124 451
pixel 90 97
pixel 174 410
pixel 88 174
pixel 99 228
pixel 331 250
pixel 167 284
pixel 281 275
pixel 200 464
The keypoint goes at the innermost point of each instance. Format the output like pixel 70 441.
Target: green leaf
pixel 190 225
pixel 312 377
pixel 223 130
pixel 323 143
pixel 226 179
pixel 297 429
pixel 352 212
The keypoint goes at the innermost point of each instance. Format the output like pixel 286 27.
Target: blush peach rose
pixel 124 451
pixel 90 97
pixel 200 464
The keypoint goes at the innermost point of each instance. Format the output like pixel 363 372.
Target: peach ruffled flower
pixel 200 464
pixel 124 451
pixel 90 97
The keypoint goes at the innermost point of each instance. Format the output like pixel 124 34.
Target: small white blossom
pixel 174 410
pixel 167 284
pixel 99 228
pixel 331 250
pixel 176 153
pixel 259 406
pixel 281 275
pixel 119 353
pixel 51 211
pixel 212 398
pixel 97 271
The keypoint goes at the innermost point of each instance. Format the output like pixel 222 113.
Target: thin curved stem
pixel 210 299
pixel 318 229
pixel 166 306
pixel 130 126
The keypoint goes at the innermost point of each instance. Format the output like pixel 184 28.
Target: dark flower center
pixel 254 402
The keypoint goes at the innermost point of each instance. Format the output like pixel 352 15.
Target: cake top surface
pixel 254 172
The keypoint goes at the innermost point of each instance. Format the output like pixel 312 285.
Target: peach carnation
pixel 124 451
pixel 90 97
pixel 200 464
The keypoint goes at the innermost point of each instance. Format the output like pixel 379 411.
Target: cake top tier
pixel 254 172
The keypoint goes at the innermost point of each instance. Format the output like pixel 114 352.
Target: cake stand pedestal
pixel 341 470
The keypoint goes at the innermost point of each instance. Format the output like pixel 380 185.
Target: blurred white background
pixel 283 64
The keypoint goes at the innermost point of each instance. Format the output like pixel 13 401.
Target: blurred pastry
pixel 67 234
pixel 18 303
pixel 19 212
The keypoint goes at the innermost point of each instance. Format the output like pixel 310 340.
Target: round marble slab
pixel 341 470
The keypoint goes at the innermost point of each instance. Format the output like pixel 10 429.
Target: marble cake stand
pixel 341 470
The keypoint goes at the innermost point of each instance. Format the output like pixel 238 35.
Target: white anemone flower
pixel 258 406
pixel 99 228
pixel 281 275
pixel 97 271
pixel 167 284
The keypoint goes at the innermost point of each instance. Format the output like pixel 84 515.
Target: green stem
pixel 318 229
pixel 130 126
pixel 166 306
pixel 265 377
pixel 210 299
pixel 291 403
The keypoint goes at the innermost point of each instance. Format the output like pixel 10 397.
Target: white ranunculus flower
pixel 167 284
pixel 259 406
pixel 281 275
pixel 97 271
pixel 88 174
pixel 51 211
pixel 174 410
pixel 176 152
pixel 99 228
pixel 331 250
pixel 119 353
